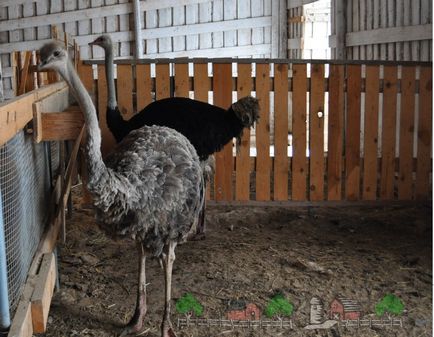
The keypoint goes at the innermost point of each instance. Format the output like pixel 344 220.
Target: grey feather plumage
pixel 152 190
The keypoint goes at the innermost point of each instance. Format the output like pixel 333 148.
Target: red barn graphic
pixel 242 311
pixel 342 308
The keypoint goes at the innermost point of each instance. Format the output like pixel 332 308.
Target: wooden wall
pixel 170 28
pixel 359 131
pixel 386 29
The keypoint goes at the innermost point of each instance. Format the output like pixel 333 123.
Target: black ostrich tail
pixel 247 110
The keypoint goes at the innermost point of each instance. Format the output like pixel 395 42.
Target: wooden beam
pixel 90 13
pixel 163 32
pixel 24 73
pixel 56 126
pixel 340 28
pixel 58 101
pixel 22 322
pixel 389 35
pixel 43 293
pixel 17 112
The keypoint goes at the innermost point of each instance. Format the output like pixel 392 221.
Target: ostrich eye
pixel 56 53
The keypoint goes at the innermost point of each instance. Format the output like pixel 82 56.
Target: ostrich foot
pixel 167 330
pixel 134 325
pixel 198 237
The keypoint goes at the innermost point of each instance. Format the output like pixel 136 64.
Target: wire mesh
pixel 25 185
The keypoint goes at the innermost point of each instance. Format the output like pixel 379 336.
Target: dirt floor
pixel 250 254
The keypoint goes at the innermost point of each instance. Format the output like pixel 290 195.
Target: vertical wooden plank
pixel 108 141
pixel 390 96
pixel 263 160
pixel 151 21
pixel 391 55
pixel 316 132
pixel 143 85
pixel 424 135
pixel 205 15
pixel 164 20
pixel 201 83
pixel 371 133
pixel 230 8
pixel 192 17
pixel 352 139
pixel 179 20
pixel 222 84
pixel 217 15
pixel 406 130
pixel 356 26
pixel 299 162
pixel 86 75
pixel 242 174
pixel 335 132
pixel 415 20
pixel 181 80
pixel 281 131
pixel 125 89
pixel 162 80
pixel 201 88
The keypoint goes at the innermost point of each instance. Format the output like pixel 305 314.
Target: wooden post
pixel 340 25
pixel 2 97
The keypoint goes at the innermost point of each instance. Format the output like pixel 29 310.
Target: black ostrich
pixel 208 127
pixel 150 188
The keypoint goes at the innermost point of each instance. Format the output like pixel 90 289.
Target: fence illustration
pixel 371 322
pixel 327 130
pixel 185 322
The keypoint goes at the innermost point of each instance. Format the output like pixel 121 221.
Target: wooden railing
pixel 337 131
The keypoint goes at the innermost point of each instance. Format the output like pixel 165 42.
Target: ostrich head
pixel 247 110
pixel 104 41
pixel 53 56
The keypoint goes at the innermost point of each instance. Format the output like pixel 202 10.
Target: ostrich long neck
pixel 95 163
pixel 109 73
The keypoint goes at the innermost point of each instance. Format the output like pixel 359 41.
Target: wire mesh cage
pixel 25 184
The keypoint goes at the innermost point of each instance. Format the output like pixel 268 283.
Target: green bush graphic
pixel 279 307
pixel 188 304
pixel 390 304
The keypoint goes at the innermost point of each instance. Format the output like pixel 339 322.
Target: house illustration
pixel 240 310
pixel 343 308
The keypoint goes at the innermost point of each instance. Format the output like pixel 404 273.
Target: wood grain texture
pixel 299 118
pixel 125 90
pixel 181 80
pixel 162 81
pixel 335 132
pixel 143 85
pixel 280 132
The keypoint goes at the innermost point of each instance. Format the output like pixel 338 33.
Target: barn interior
pixel 318 217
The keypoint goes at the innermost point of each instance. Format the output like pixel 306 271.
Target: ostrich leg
pixel 168 258
pixel 136 322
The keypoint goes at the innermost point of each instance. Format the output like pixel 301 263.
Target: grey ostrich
pixel 150 188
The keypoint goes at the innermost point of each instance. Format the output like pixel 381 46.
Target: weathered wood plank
pixel 316 133
pixel 371 133
pixel 299 118
pixel 201 82
pixel 222 84
pixel 263 160
pixel 17 112
pixel 181 80
pixel 125 90
pixel 43 293
pixel 335 132
pixel 143 85
pixel 162 81
pixel 352 140
pixel 424 139
pixel 242 174
pixel 281 164
pixel 406 130
pixel 388 142
pixel 58 101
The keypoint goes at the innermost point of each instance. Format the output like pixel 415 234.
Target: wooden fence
pixel 354 131
pixel 249 324
pixel 371 322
